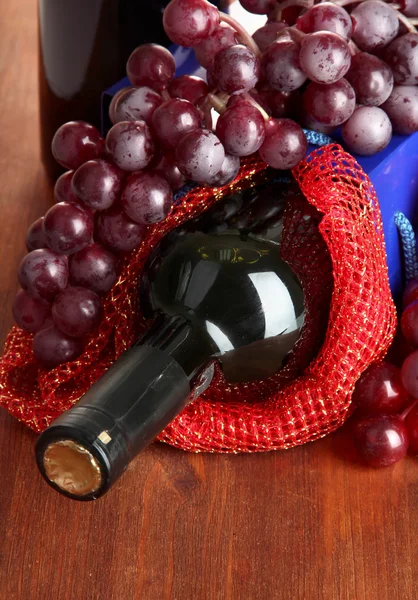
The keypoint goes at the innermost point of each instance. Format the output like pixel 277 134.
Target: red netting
pixel 336 247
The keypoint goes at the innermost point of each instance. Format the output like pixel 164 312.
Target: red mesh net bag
pixel 334 242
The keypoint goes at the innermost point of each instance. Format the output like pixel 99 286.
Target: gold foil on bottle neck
pixel 72 468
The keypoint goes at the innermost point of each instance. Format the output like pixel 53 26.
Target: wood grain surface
pixel 302 524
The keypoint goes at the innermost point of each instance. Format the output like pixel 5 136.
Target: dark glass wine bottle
pixel 218 289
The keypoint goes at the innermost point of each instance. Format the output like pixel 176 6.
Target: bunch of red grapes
pixel 312 65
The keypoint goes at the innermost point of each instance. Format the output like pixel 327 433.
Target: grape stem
pixel 243 35
pixel 407 410
pixel 254 102
pixel 206 108
pixel 217 103
pixel 165 95
pixel 409 23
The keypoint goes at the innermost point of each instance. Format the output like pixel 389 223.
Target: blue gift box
pixel 393 172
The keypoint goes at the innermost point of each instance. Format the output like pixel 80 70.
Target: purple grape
pixel 137 104
pixel 330 104
pixel 258 7
pixel 68 228
pixel 367 131
pixel 95 268
pixel 381 440
pixel 241 129
pixel 402 57
pixel 98 184
pixel 131 145
pixel 189 22
pixel 147 198
pixel 402 109
pixel 173 119
pixel 371 78
pixel 151 65
pixel 77 311
pixel 324 56
pixel 115 100
pixel 43 274
pixel 169 170
pixel 375 25
pixel 118 232
pixel 236 69
pixel 63 191
pixel 227 173
pixel 30 314
pixel 280 104
pixel 188 87
pixel 52 348
pixel 35 237
pixel 326 17
pixel 267 34
pixel 281 67
pixel 222 37
pixel 75 143
pixel 285 144
pixel 409 8
pixel 200 155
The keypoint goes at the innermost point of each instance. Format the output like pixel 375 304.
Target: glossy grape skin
pixel 63 191
pixel 169 170
pixel 258 7
pixel 324 56
pixel 227 173
pixel 409 374
pixel 326 17
pixel 51 347
pixel 371 78
pixel 367 131
pixel 173 120
pixel 76 142
pixel 402 57
pixel 236 69
pixel 137 104
pixel 77 311
pixel 118 232
pixel 222 37
pixel 241 129
pixel 280 104
pixel 30 314
pixel 409 8
pixel 411 423
pixel 43 274
pixel 189 22
pixel 35 237
pixel 95 268
pixel 280 66
pixel 188 87
pixel 151 65
pixel 98 184
pixel 266 35
pixel 381 440
pixel 330 104
pixel 68 228
pixel 380 391
pixel 409 323
pixel 147 198
pixel 200 155
pixel 285 144
pixel 402 109
pixel 410 292
pixel 375 25
pixel 131 145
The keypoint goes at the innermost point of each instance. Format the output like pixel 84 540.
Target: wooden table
pixel 302 524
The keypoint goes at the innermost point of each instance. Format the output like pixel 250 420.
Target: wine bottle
pixel 218 289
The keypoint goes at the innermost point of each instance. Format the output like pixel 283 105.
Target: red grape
pixel 258 7
pixel 173 119
pixel 35 237
pixel 114 102
pixel 95 268
pixel 227 173
pixel 188 87
pixel 43 274
pixel 75 143
pixel 285 144
pixel 409 373
pixel 241 129
pixel 410 293
pixel 371 78
pixel 381 440
pixel 236 69
pixel 409 8
pixel 98 184
pixel 118 232
pixel 411 423
pixel 169 170
pixel 222 37
pixel 51 347
pixel 330 104
pixel 151 65
pixel 200 155
pixel 147 198
pixel 267 34
pixel 326 17
pixel 402 109
pixel 68 228
pixel 402 57
pixel 280 104
pixel 409 323
pixel 137 104
pixel 367 131
pixel 280 66
pixel 77 311
pixel 380 391
pixel 324 56
pixel 63 191
pixel 190 22
pixel 131 145
pixel 30 314
pixel 375 25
